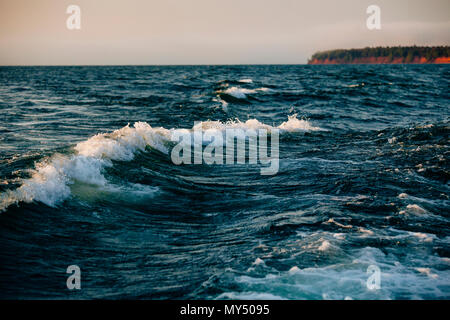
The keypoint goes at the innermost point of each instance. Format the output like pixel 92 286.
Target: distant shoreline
pixel 384 55
pixel 190 65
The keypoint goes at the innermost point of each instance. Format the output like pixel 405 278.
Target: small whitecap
pixel 294 269
pixel 365 231
pixel 339 236
pixel 239 93
pixel 392 140
pixel 423 236
pixel 325 245
pixel 427 271
pixel 258 261
pixel 414 208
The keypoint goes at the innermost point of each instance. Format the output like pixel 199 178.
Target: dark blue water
pixel 362 181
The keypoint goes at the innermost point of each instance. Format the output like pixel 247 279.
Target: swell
pixel 53 178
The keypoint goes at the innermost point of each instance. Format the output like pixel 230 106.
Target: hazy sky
pixel 209 31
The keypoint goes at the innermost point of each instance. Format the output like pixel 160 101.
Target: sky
pixel 149 32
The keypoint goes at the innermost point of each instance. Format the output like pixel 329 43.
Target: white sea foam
pixel 424 236
pixel 258 261
pixel 348 278
pixel 427 271
pixel 356 85
pixel 365 231
pixel 324 246
pixel 331 220
pixel 392 140
pixel 294 269
pixel 122 144
pixel 416 209
pixel 223 103
pixel 248 296
pixel 49 182
pixel 294 124
pixel 51 179
pixel 339 236
pixel 263 89
pixel 246 80
pixel 291 125
pixel 241 93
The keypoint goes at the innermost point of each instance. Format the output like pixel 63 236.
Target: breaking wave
pixel 51 179
pixel 241 93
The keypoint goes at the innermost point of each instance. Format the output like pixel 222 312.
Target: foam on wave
pixel 343 280
pixel 51 179
pixel 241 93
pixel 293 124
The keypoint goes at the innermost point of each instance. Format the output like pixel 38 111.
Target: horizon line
pixel 207 65
pixel 152 65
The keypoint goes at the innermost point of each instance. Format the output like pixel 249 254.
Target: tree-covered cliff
pixel 414 54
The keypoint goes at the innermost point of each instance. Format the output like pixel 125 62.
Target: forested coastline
pixel 388 55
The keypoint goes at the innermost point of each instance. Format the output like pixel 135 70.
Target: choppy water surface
pixel 86 179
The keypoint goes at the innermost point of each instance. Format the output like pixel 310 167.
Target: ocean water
pixel 86 179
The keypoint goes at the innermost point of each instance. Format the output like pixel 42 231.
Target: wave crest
pixel 241 93
pixel 51 179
